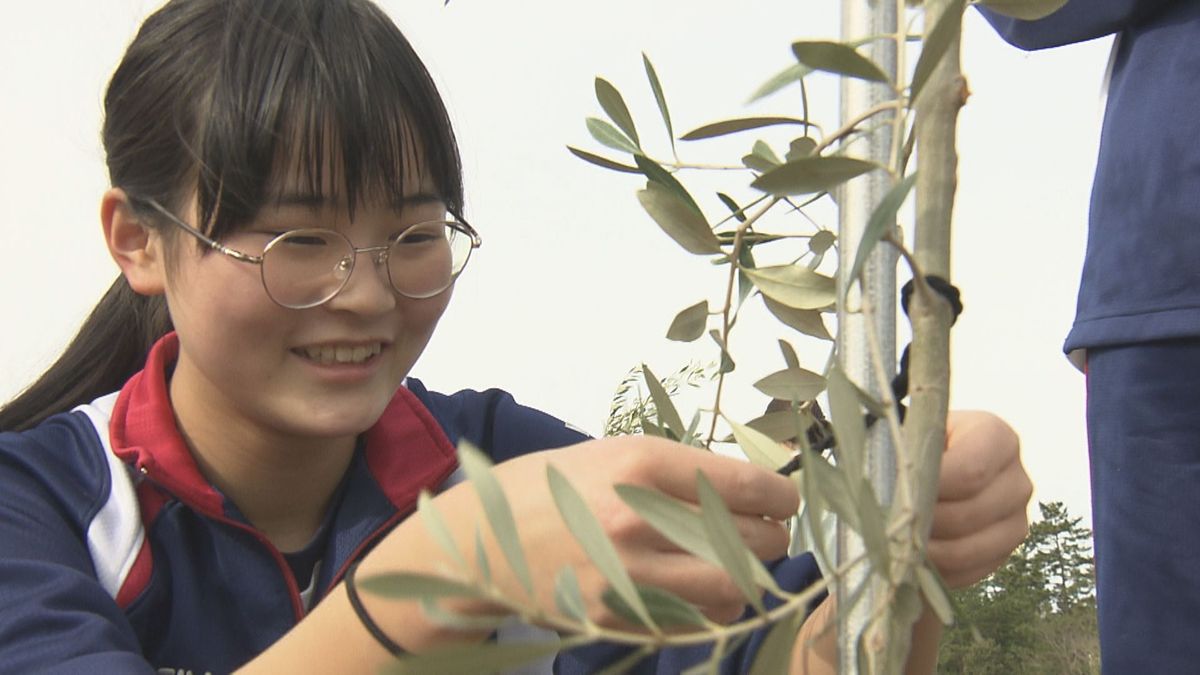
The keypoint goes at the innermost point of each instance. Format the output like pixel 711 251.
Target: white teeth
pixel 327 355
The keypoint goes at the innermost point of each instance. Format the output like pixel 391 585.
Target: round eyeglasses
pixel 307 267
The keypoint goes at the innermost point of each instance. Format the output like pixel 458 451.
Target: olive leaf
pixel 668 416
pixel 759 448
pixel 608 135
pixel 727 362
pixel 587 530
pixel 807 175
pixel 667 609
pixel 934 590
pixel 499 514
pixel 614 106
pixel 838 58
pixel 775 653
pixel 727 541
pixel 794 286
pixel 792 384
pixel 568 597
pixel 848 426
pixel 656 173
pixel 733 126
pixel 432 519
pixel 602 161
pixel 793 73
pixel 689 324
pixel 680 221
pixel 807 321
pixel 659 98
pixel 414 586
pixel 883 216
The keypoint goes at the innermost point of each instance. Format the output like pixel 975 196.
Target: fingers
pixel 1004 496
pixel 746 488
pixel 964 560
pixel 696 581
pixel 979 447
pixel 767 539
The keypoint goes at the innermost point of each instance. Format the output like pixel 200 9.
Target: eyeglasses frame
pixel 380 252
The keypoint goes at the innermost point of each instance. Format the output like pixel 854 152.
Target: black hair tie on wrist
pixel 366 620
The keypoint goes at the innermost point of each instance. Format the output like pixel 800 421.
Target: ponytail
pixel 109 348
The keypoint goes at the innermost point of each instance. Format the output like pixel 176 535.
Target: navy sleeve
pixel 792 574
pixel 493 421
pixel 1077 21
pixel 54 614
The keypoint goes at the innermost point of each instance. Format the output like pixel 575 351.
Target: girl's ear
pixel 136 247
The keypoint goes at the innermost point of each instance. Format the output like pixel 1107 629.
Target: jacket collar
pixel 406 450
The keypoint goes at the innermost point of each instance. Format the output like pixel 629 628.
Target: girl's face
pixel 285 371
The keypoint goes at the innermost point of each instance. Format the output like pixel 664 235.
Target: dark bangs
pixel 322 96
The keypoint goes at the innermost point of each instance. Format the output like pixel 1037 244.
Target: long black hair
pixel 215 99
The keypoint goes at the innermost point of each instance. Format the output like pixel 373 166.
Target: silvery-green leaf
pixel 1028 10
pixel 808 175
pixel 848 426
pixel 602 161
pixel 683 527
pixel 567 595
pixel 815 503
pixel 726 127
pixel 481 560
pixel 499 514
pixel 668 416
pixel 938 40
pixel 793 73
pixel 667 609
pixel 727 363
pixel 412 586
pixel 465 658
pixel 689 324
pixel 789 354
pixel 763 150
pixel 679 220
pixel 651 429
pixel 881 218
pixel 614 106
pixel 745 262
pixel 733 206
pixel 792 384
pixel 822 241
pixel 591 536
pixel 873 527
pixel 608 136
pixel 444 617
pixel 833 487
pixel 661 100
pixel 758 447
pixel 838 58
pixel 782 425
pixel 795 286
pixel 727 541
pixel 807 321
pixel 656 173
pixel 800 148
pixel 432 519
pixel 935 594
pixel 775 653
pixel 758 163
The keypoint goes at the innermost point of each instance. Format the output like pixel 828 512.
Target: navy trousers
pixel 1143 414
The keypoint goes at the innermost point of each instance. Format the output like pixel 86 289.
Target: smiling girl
pixel 234 431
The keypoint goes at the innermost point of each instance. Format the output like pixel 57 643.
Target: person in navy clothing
pixel 234 430
pixel 1138 325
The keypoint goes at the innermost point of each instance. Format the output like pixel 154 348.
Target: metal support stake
pixel 857 199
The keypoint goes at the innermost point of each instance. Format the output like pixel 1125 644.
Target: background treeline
pixel 1037 614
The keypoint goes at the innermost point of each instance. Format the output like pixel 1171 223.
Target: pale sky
pixel 575 284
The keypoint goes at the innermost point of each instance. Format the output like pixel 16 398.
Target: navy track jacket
pixel 117 556
pixel 1141 277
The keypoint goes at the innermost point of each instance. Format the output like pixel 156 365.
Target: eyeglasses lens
pixel 305 268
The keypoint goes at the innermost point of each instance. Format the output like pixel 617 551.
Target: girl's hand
pixel 980 515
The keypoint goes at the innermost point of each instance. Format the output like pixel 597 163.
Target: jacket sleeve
pixel 55 616
pixel 1077 21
